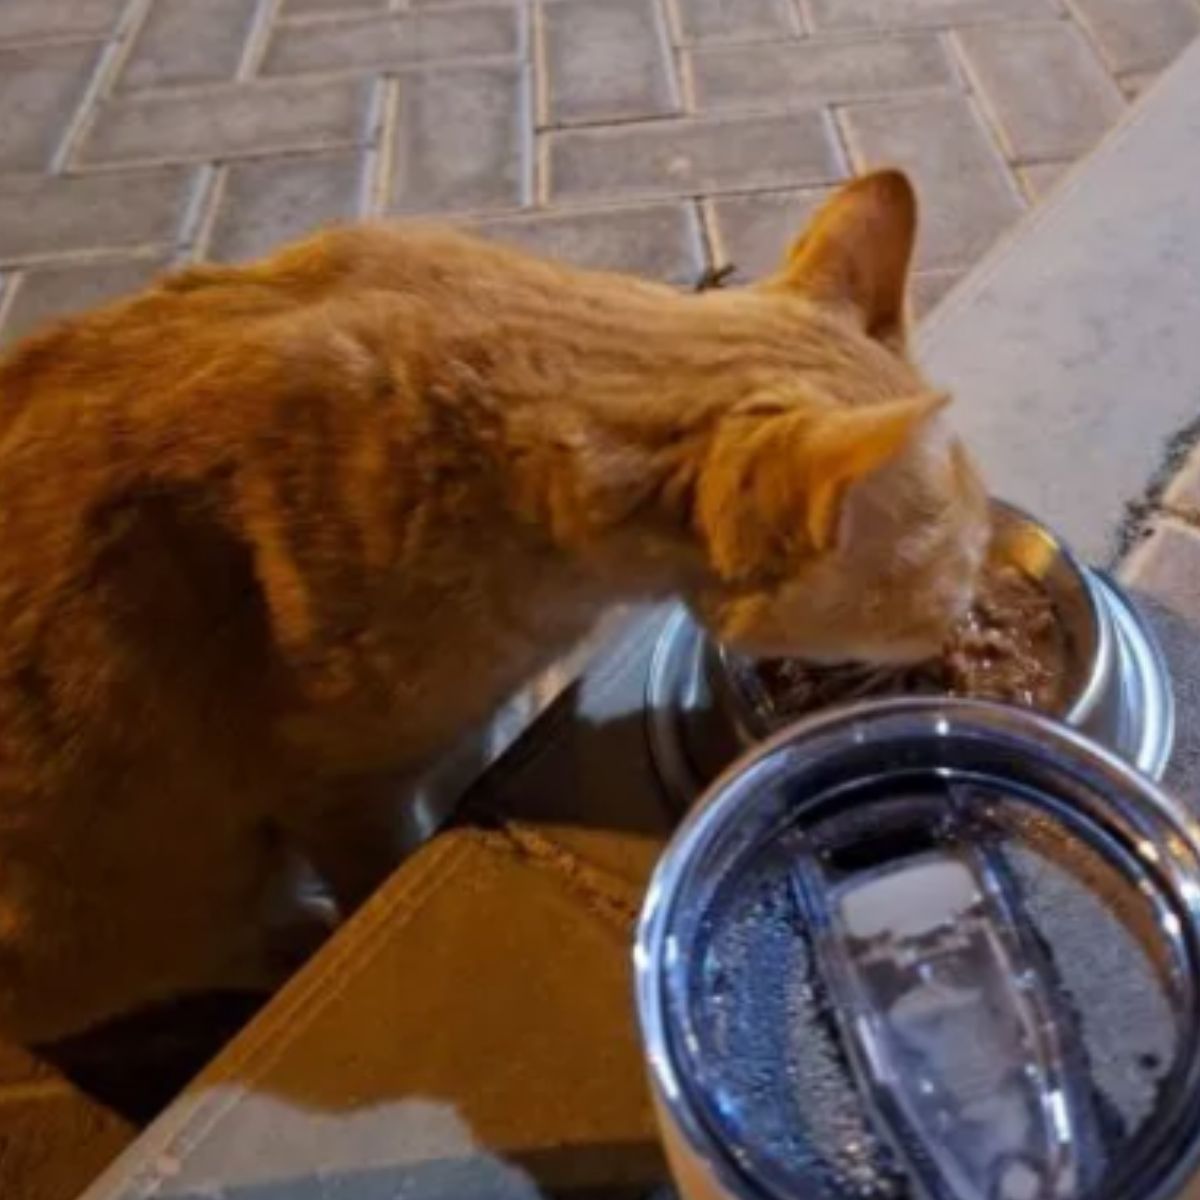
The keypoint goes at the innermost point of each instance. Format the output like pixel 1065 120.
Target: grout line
pixel 200 213
pixel 1077 17
pixel 376 179
pixel 56 41
pixel 988 118
pixel 289 150
pixel 589 124
pixel 112 59
pixel 10 284
pixel 710 232
pixel 85 257
pixel 542 174
pixel 339 74
pixel 528 148
pixel 843 143
pixel 663 15
pixel 978 93
pixel 200 218
pixel 536 18
pixel 687 81
pixel 673 15
pixel 254 49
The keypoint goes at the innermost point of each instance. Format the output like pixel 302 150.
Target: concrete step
pixel 1072 348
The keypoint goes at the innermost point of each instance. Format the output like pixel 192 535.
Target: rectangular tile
pixel 44 215
pixel 818 72
pixel 1045 87
pixel 31 19
pixel 1146 35
pixel 657 241
pixel 607 61
pixel 401 39
pixel 462 140
pixel 928 14
pixel 966 194
pixel 692 157
pixel 737 20
pixel 229 122
pixel 50 292
pixel 40 89
pixel 755 231
pixel 266 203
pixel 1040 179
pixel 188 41
pixel 330 8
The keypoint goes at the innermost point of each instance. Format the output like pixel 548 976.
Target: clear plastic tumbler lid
pixel 929 950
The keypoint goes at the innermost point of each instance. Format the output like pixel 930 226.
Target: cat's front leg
pixel 354 832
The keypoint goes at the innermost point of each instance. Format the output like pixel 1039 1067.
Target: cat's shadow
pixel 585 782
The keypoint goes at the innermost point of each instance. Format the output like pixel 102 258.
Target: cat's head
pixel 839 516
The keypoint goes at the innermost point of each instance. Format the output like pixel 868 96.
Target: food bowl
pixel 706 703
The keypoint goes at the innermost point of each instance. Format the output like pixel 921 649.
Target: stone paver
pixel 690 157
pixel 55 291
pixel 738 20
pixel 928 289
pixel 462 141
pixel 1046 89
pixel 1144 36
pixel 753 232
pixel 263 202
pixel 31 19
pixel 307 8
pixel 229 122
pixel 967 196
pixel 654 136
pixel 661 241
pixel 427 36
pixel 189 41
pixel 44 216
pixel 1183 492
pixel 40 87
pixel 1039 178
pixel 607 61
pixel 819 72
pixel 921 14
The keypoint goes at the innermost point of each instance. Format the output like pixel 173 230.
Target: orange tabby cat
pixel 275 534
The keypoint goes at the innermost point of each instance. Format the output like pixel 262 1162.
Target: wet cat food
pixel 1010 647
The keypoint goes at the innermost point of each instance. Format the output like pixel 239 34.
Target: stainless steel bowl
pixel 705 703
pixel 771 1009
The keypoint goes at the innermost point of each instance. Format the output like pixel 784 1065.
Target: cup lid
pixel 929 948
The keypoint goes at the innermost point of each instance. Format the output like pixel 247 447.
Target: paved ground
pixel 656 135
pixel 660 136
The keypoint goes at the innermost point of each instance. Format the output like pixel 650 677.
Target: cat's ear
pixel 856 251
pixel 850 444
pixel 772 486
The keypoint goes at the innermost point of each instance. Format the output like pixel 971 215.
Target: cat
pixel 273 535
